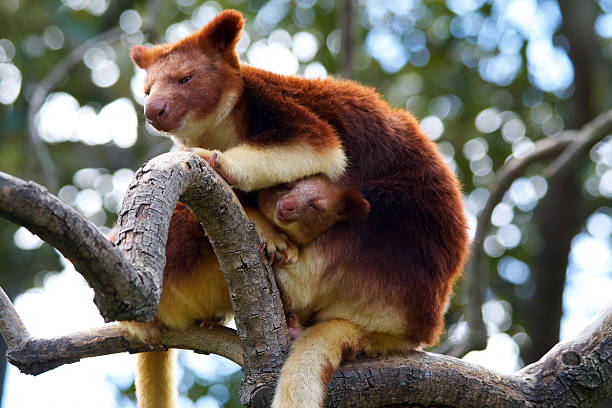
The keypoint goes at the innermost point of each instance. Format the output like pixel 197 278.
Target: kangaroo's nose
pixel 156 111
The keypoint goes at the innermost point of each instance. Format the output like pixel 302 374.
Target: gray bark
pixel 121 293
pixel 574 373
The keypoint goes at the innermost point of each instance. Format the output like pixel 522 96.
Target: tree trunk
pixel 558 217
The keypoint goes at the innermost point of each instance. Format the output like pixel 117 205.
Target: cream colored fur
pixel 340 322
pixel 201 295
pixel 315 354
pixel 255 168
pixel 213 131
pixel 163 382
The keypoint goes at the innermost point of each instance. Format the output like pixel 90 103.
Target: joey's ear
pixel 223 32
pixel 141 56
pixel 354 205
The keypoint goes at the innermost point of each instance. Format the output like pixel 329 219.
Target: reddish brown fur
pixel 413 244
pixel 406 254
pixel 187 244
pixel 327 372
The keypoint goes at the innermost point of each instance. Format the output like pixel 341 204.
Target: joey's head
pixel 192 85
pixel 309 207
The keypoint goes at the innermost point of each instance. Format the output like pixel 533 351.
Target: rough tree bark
pixel 142 229
pixel 577 372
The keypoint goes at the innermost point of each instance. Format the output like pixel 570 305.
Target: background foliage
pixel 486 78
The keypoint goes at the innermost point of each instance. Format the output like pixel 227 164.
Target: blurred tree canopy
pixel 486 78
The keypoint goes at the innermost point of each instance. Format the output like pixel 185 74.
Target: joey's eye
pixel 314 207
pixel 185 80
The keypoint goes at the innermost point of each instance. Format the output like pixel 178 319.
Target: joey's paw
pixel 149 333
pixel 217 161
pixel 293 325
pixel 279 248
pixel 294 332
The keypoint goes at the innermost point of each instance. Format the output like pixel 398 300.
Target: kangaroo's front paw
pixel 218 161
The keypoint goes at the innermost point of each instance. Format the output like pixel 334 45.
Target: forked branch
pixel 574 373
pixel 565 149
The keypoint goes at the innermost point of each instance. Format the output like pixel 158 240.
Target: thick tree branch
pixel 142 230
pixel 118 287
pixel 574 372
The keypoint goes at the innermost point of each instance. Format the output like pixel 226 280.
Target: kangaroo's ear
pixel 354 205
pixel 142 56
pixel 223 32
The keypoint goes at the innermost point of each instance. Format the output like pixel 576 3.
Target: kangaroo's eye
pixel 185 80
pixel 314 207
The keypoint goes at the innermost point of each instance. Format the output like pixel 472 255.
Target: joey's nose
pixel 286 207
pixel 156 112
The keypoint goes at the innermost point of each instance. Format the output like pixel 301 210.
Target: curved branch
pixel 142 230
pixel 128 284
pixel 571 144
pixel 587 137
pixel 119 293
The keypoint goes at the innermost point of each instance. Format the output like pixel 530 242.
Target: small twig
pixel 345 20
pixel 571 144
pixel 587 137
pixel 43 89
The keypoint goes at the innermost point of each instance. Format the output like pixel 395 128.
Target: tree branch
pixel 119 293
pixel 571 144
pixel 37 355
pixel 12 328
pixel 587 137
pixel 574 372
pixel 142 231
